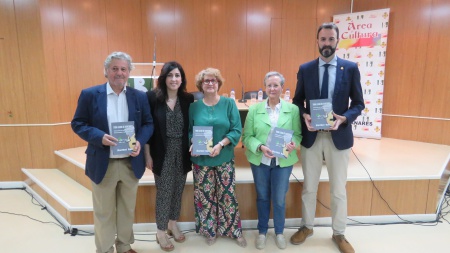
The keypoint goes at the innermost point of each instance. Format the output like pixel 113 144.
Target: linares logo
pixel 362 123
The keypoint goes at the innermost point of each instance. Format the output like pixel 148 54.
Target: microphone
pixel 243 100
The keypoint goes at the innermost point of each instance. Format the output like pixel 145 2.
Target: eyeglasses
pixel 212 81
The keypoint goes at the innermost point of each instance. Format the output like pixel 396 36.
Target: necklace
pixel 171 99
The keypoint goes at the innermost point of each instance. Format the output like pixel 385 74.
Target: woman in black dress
pixel 167 152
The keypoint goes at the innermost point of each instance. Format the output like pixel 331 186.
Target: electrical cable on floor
pixel 445 205
pixel 404 221
pixel 440 216
pixel 42 208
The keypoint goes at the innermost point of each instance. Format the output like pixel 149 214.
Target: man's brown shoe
pixel 300 236
pixel 342 243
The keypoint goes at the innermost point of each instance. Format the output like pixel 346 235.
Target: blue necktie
pixel 324 91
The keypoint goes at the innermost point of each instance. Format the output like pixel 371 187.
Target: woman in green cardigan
pixel 271 174
pixel 216 205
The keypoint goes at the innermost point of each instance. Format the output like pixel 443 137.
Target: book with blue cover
pixel 321 113
pixel 277 141
pixel 202 140
pixel 125 134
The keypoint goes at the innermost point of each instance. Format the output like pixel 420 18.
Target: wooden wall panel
pixel 86 43
pixel 32 60
pixel 14 145
pixel 194 33
pixel 326 9
pixel 416 129
pixel 299 9
pixel 86 47
pixel 12 102
pixel 436 82
pixel 16 153
pixel 298 46
pixel 60 102
pixel 359 195
pixel 432 200
pixel 293 201
pixel 145 204
pixel 411 197
pixel 434 131
pixel 359 6
pixel 146 199
pixel 405 61
pixel 40 147
pixel 36 93
pixel 228 51
pixel 276 39
pixel 123 28
pixel 400 128
pixel 80 218
pixel 187 204
pixel 297 39
pixel 259 15
pixel 159 18
pixel 246 196
pixel 406 91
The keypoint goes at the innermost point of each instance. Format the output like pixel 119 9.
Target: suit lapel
pixel 102 104
pixel 315 76
pixel 160 112
pixel 339 75
pixel 131 100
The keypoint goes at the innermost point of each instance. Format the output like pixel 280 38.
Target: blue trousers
pixel 272 184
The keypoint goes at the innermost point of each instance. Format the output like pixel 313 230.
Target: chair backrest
pixel 248 94
pixel 197 95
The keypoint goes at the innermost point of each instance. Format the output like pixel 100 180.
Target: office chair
pixel 197 95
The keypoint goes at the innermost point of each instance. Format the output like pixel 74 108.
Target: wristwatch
pixel 259 147
pixel 221 144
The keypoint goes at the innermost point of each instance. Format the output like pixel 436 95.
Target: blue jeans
pixel 271 183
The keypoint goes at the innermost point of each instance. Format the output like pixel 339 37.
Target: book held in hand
pixel 277 141
pixel 125 134
pixel 321 113
pixel 202 140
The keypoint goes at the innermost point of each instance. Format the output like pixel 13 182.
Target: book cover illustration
pixel 126 137
pixel 277 141
pixel 202 140
pixel 321 113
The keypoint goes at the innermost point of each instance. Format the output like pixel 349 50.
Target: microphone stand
pixel 154 63
pixel 243 100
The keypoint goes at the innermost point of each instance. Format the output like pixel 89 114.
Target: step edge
pixel 71 160
pixel 54 195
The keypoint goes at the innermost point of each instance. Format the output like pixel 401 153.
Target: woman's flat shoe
pixel 241 242
pixel 178 238
pixel 211 240
pixel 168 246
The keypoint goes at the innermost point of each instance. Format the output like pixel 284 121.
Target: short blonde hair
pixel 208 71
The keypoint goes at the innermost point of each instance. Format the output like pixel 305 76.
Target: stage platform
pixel 406 175
pixel 385 159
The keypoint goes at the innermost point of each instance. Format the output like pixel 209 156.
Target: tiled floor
pixel 20 234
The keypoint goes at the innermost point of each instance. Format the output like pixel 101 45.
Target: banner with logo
pixel 143 83
pixel 363 39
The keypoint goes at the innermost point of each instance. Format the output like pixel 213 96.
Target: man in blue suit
pixel 114 177
pixel 334 143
